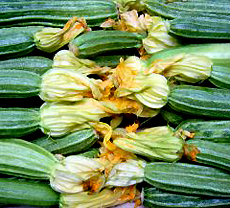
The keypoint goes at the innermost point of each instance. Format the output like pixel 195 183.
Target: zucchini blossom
pixel 156 143
pixel 108 197
pixel 58 119
pixel 73 173
pixel 68 85
pixel 131 81
pixel 51 39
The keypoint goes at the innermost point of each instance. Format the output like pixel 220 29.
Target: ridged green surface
pixel 24 159
pixel 30 193
pixel 211 154
pixel 73 143
pixel 170 9
pixel 155 198
pixel 201 28
pixel 220 76
pixel 18 122
pixel 218 52
pixel 55 13
pixel 98 42
pixel 200 101
pixel 36 64
pixel 17 41
pixel 211 130
pixel 188 179
pixel 19 84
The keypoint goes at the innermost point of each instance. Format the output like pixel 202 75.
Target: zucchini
pixel 154 198
pixel 208 153
pixel 93 43
pixel 36 64
pixel 75 142
pixel 219 53
pixel 180 9
pixel 201 28
pixel 17 122
pixel 188 179
pixel 55 13
pixel 220 76
pixel 217 131
pixel 17 41
pixel 91 153
pixel 19 84
pixel 27 192
pixel 200 101
pixel 24 159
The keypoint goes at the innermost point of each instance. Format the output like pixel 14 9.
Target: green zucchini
pixel 91 153
pixel 220 76
pixel 27 192
pixel 17 122
pixel 219 53
pixel 208 153
pixel 17 41
pixel 211 130
pixel 200 101
pixel 201 27
pixel 23 159
pixel 156 198
pixel 19 84
pixel 93 43
pixel 179 9
pixel 36 64
pixel 55 13
pixel 75 142
pixel 188 179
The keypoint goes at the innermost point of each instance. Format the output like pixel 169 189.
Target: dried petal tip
pixel 71 173
pixel 126 173
pixel 51 39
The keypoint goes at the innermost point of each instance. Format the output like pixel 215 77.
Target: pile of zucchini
pixel 104 102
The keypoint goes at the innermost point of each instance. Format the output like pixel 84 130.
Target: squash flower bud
pixel 58 119
pixel 126 173
pixel 51 39
pixel 71 172
pixel 156 143
pixel 67 85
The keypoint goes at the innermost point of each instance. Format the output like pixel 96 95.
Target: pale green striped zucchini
pixel 93 43
pixel 188 179
pixel 200 101
pixel 75 142
pixel 55 13
pixel 208 153
pixel 210 130
pixel 15 191
pixel 154 198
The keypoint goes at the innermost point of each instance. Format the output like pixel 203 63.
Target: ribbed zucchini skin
pixel 18 122
pixel 217 131
pixel 188 179
pixel 201 28
pixel 19 84
pixel 30 193
pixel 180 9
pixel 220 76
pixel 200 101
pixel 156 198
pixel 36 64
pixel 73 143
pixel 55 13
pixel 17 41
pixel 24 159
pixel 218 52
pixel 209 153
pixel 93 43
